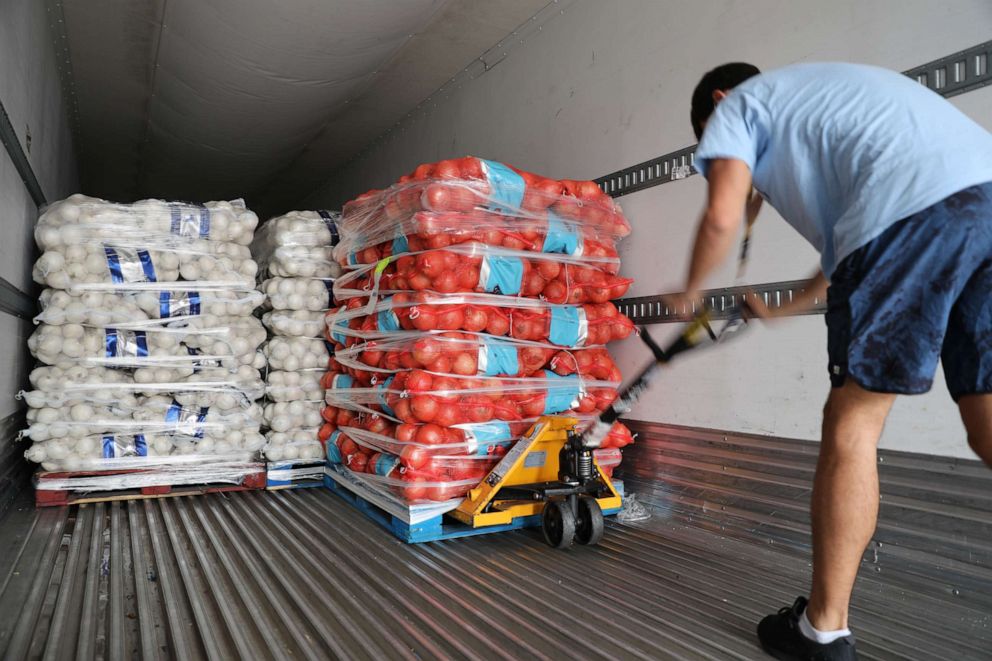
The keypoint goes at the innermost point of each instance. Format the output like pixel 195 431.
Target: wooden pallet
pixel 294 474
pixel 57 489
pixel 414 524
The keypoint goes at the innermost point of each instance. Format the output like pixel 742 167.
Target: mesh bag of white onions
pixel 149 352
pixel 296 273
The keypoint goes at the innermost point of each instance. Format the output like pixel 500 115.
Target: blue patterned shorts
pixel 919 292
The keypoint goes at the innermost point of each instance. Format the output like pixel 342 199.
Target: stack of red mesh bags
pixel 477 301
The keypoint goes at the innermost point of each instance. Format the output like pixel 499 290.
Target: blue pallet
pixel 433 529
pixel 304 481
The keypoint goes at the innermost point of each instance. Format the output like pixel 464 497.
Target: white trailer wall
pixel 31 93
pixel 607 84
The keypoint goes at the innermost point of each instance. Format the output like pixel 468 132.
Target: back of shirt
pixel 843 151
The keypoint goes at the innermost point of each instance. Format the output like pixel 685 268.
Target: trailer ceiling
pixel 262 99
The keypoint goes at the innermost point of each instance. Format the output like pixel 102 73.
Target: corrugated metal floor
pixel 301 574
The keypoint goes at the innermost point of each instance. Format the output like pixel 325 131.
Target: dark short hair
pixel 724 77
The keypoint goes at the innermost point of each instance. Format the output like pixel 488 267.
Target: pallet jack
pixel 551 472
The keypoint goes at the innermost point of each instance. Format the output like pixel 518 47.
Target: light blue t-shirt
pixel 843 151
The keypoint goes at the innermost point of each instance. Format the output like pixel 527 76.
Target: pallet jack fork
pixel 552 470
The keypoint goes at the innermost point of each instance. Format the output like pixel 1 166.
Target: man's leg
pixel 976 413
pixel 845 498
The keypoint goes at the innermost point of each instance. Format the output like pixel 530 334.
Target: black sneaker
pixel 780 637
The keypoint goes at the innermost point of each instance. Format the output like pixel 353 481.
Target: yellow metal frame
pixel 533 459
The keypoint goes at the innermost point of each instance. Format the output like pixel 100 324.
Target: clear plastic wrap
pixel 294 414
pixel 182 344
pixel 301 385
pixel 108 264
pixel 77 217
pixel 99 308
pixel 296 353
pixel 418 396
pixel 298 244
pixel 569 326
pixel 475 267
pixel 132 451
pixel 137 415
pixel 470 185
pixel 470 354
pixel 439 479
pixel 312 294
pixel 295 323
pixel 172 470
pixel 297 444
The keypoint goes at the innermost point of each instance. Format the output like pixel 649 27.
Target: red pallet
pixel 254 479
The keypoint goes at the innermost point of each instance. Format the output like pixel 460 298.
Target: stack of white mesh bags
pixel 147 345
pixel 296 274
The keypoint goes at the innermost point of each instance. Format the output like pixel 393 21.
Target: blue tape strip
pixel 400 245
pixel 493 431
pixel 172 413
pixel 342 381
pixel 204 223
pixel 506 187
pixel 333 453
pixel 142 340
pixel 114 264
pixel 164 300
pixel 501 357
pixel 146 265
pixel 329 286
pixel 332 227
pixel 381 393
pixel 110 342
pixel 506 275
pixel 387 321
pixel 194 303
pixel 140 445
pixel 562 237
pixel 565 330
pixel 561 395
pixel 385 464
pixel 108 447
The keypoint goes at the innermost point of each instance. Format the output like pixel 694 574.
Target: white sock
pixel 822 637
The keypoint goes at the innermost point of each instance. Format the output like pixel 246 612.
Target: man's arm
pixel 816 288
pixel 729 191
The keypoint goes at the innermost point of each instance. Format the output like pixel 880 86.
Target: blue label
pixel 146 265
pixel 114 264
pixel 506 187
pixel 562 237
pixel 493 431
pixel 352 259
pixel 178 304
pixel 563 394
pixel 400 245
pixel 333 452
pixel 338 335
pixel 332 227
pixel 126 343
pixel 381 392
pixel 342 381
pixel 329 286
pixel 140 446
pixel 387 321
pixel 108 447
pixel 565 328
pixel 187 222
pixel 500 358
pixel 504 275
pixel 385 464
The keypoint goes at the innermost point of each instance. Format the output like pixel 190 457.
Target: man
pixel 893 186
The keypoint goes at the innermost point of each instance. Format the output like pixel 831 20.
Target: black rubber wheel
pixel 589 526
pixel 558 524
